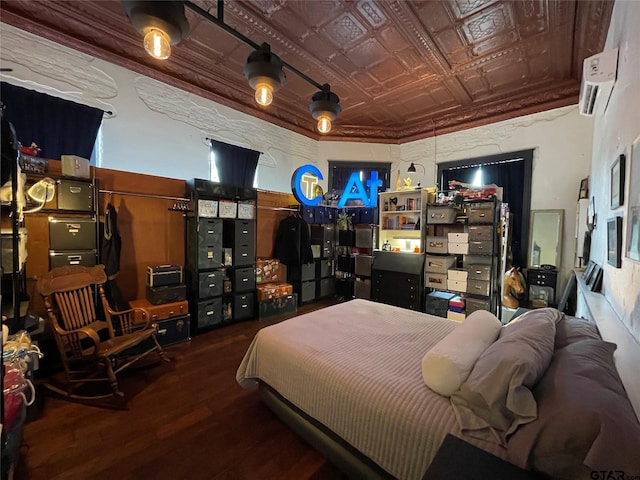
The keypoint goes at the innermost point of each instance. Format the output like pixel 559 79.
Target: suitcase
pixel 166 294
pixel 164 311
pixel 161 275
pixel 168 332
pixel 278 306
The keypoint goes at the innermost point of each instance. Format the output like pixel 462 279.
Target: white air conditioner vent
pixel 598 78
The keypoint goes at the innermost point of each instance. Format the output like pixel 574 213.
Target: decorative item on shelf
pixel 31 164
pixel 512 288
pixel 32 150
pixel 343 222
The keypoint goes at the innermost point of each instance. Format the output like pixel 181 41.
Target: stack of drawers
pixel 72 241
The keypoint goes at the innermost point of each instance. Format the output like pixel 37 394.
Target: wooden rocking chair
pixel 91 349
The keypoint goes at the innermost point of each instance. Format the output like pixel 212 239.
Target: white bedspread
pixel 356 368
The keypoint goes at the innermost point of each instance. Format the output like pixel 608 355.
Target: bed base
pixel 342 455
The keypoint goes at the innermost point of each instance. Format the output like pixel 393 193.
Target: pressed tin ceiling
pixel 403 70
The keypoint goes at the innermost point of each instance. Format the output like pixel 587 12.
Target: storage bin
pixel 479 213
pixel 86 258
pixel 74 166
pixel 479 272
pixel 244 279
pixel 435 280
pixel 456 316
pixel 209 313
pixel 363 265
pixel 325 287
pixel 473 304
pixel 441 215
pixel 456 274
pixel 437 303
pixel 478 287
pixel 458 237
pixel 243 306
pixel 439 264
pixel 436 245
pixel 363 288
pixel 456 285
pixel 210 284
pixel 75 195
pixel 458 248
pixel 7 248
pixel 481 248
pixel 480 233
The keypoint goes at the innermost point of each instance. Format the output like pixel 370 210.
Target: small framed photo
pixel 588 271
pixel 614 241
pixel 596 285
pixel 617 182
pixel 584 188
pixel 593 277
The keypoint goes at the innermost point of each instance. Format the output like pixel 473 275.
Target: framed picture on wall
pixel 614 241
pixel 632 250
pixel 584 188
pixel 617 182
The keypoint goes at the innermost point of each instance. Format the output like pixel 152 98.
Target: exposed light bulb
pixel 264 94
pixel 324 124
pixel 156 43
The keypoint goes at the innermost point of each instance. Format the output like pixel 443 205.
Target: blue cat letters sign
pixel 305 179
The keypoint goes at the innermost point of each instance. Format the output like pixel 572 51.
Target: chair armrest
pixel 126 320
pixel 89 332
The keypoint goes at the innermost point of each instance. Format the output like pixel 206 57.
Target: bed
pixel 349 378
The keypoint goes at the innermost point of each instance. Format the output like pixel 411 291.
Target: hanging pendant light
pixel 161 23
pixel 325 107
pixel 265 73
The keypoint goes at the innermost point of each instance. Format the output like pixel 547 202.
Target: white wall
pixel 614 133
pixel 161 130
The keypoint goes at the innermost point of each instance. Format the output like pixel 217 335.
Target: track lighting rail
pixel 220 23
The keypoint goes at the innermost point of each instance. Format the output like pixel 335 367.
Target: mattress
pixel 356 368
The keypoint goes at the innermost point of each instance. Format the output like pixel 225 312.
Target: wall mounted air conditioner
pixel 598 78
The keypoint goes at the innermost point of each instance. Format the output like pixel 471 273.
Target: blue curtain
pixel 236 165
pixel 59 127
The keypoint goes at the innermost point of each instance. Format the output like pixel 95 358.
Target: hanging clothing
pixel 111 243
pixel 293 244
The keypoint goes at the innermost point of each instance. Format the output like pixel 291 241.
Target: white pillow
pixel 447 365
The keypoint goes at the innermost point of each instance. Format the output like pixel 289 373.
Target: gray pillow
pixel 585 420
pixel 572 329
pixel 496 397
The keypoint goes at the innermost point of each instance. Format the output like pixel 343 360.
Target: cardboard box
pixel 74 166
pixel 456 285
pixel 455 274
pixel 458 237
pixel 455 316
pixel 458 248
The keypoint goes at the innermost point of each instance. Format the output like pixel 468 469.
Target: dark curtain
pixel 57 126
pixel 509 176
pixel 236 165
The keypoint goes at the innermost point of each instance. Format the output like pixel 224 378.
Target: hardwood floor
pixel 188 419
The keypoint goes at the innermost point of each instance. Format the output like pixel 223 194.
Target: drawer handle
pixel 244 305
pixel 154 316
pixel 478 272
pixel 245 279
pixel 245 254
pixel 75 189
pixel 161 332
pixel 210 232
pixel 74 259
pixel 211 275
pixel 211 285
pixel 73 227
pixel 171 313
pixel 210 312
pixel 245 231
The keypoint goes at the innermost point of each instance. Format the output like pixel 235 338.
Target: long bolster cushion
pixel 447 365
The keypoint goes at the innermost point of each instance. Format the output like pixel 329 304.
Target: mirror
pixel 545 238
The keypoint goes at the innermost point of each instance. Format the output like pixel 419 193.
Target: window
pixel 213 168
pixel 340 171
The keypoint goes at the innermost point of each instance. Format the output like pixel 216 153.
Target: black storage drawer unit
pixel 278 306
pixel 205 243
pixel 325 287
pixel 301 273
pixel 243 305
pixel 306 290
pixel 161 275
pixel 244 279
pixel 325 236
pixel 72 233
pixel 346 263
pixel 240 235
pixel 324 268
pixel 86 258
pixel 210 284
pixel 75 195
pixel 166 294
pixel 208 313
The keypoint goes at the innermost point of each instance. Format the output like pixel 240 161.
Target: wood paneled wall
pixel 152 234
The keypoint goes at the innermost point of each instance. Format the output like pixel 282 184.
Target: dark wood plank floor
pixel 188 419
